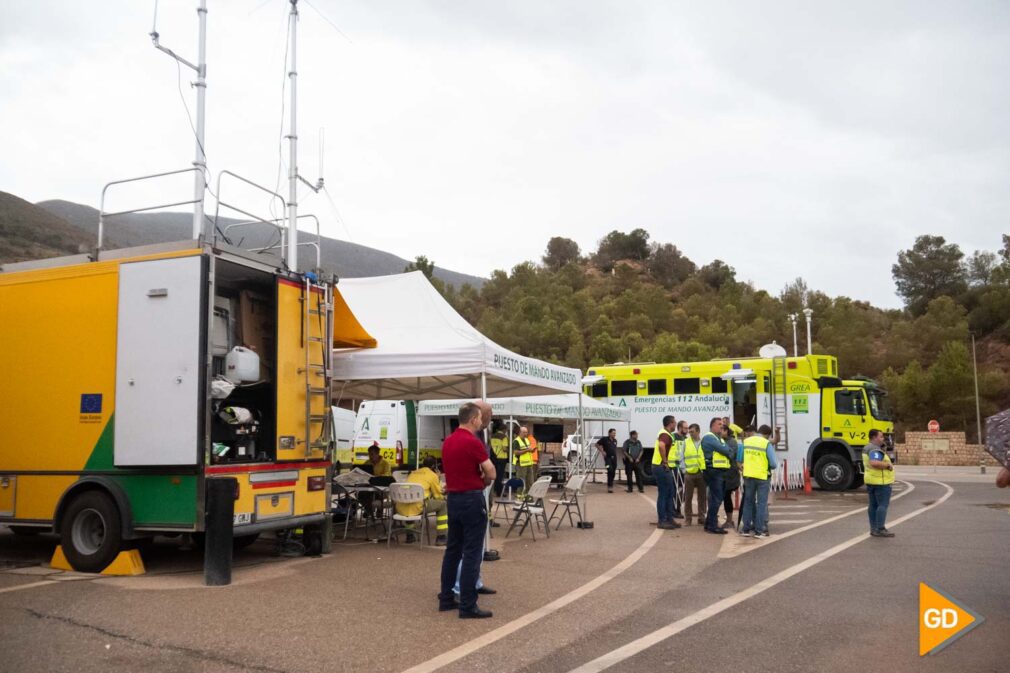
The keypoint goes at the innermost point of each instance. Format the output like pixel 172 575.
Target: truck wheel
pixel 242 541
pixel 833 472
pixel 92 532
pixel 857 480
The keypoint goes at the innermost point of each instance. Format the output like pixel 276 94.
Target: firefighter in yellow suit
pixel 434 498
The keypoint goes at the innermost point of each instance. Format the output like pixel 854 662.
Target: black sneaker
pixel 883 532
pixel 715 531
pixel 476 613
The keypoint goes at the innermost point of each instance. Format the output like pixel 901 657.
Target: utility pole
pixel 978 408
pixel 796 349
pixel 808 312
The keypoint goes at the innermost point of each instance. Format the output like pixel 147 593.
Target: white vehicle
pixel 403 436
pixel 571 447
pixel 343 432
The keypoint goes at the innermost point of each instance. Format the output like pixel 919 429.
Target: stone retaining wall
pixel 941 448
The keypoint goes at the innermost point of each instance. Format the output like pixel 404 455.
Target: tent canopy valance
pixel 542 406
pixel 425 350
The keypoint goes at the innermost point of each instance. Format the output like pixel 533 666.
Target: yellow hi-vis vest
pixel 755 457
pixel 719 461
pixel 523 459
pixel 500 447
pixel 671 454
pixel 874 476
pixel 694 457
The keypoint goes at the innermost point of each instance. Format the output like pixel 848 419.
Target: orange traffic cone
pixel 808 489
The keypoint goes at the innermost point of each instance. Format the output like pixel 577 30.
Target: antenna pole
pixel 200 177
pixel 200 162
pixel 292 256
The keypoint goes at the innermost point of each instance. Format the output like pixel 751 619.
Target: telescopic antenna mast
pixel 293 176
pixel 200 162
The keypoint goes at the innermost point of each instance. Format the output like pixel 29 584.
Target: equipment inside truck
pixel 244 354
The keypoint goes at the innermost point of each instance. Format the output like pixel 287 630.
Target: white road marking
pixel 636 646
pixel 522 622
pixel 30 585
pixel 771 521
pixel 730 548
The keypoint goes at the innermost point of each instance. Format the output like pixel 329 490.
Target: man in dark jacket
pixel 633 467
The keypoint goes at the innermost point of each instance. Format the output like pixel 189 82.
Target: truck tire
pixel 92 532
pixel 242 541
pixel 834 472
pixel 857 480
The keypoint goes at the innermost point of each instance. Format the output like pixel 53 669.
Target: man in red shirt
pixel 468 470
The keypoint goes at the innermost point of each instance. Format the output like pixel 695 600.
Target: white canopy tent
pixel 541 406
pixel 425 350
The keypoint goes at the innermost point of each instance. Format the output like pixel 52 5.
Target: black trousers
pixel 632 470
pixel 501 468
pixel 611 460
pixel 467 524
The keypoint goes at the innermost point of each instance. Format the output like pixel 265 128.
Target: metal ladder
pixel 317 340
pixel 780 400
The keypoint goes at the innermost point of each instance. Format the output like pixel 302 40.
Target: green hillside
pixel 634 300
pixel 29 232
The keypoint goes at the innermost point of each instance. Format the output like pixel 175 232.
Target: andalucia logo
pixel 942 620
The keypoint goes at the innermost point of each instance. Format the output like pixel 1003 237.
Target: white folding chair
pixel 407 494
pixel 508 497
pixel 531 507
pixel 400 476
pixel 569 498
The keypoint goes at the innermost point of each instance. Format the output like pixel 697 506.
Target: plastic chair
pixel 508 497
pixel 400 476
pixel 532 507
pixel 407 494
pixel 569 498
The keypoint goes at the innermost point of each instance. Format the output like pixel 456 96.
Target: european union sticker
pixel 91 403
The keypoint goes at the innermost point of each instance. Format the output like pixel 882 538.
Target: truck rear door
pixel 159 354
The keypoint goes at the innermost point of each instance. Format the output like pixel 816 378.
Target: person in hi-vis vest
pixel 878 474
pixel 664 460
pixel 757 456
pixel 693 461
pixel 522 457
pixel 716 466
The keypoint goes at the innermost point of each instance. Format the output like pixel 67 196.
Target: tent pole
pixel 585 523
pixel 510 421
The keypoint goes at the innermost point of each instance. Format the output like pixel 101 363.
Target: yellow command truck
pixel 117 408
pixel 821 419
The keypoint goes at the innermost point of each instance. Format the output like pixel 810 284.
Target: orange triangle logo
pixel 942 620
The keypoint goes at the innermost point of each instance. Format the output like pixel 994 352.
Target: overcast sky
pixel 786 138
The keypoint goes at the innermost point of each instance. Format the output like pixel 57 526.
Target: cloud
pixel 786 138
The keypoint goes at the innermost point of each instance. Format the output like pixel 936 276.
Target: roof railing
pixel 102 215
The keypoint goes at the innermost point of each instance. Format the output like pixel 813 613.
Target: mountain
pixel 29 232
pixel 66 225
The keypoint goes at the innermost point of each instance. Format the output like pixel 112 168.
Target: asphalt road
pixel 818 595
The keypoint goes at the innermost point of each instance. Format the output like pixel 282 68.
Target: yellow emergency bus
pixel 823 420
pixel 133 377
